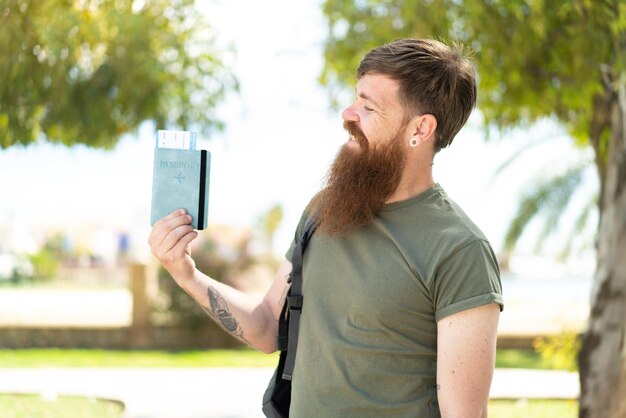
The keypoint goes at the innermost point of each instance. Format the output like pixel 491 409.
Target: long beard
pixel 358 184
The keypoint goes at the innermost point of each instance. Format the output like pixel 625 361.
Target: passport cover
pixel 180 179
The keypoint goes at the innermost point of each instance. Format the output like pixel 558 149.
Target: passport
pixel 180 179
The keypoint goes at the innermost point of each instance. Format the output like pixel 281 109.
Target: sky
pixel 280 138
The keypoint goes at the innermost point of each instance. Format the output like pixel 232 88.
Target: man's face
pixel 369 167
pixel 376 111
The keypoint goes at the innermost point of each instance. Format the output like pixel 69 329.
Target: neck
pixel 414 181
pixel 408 191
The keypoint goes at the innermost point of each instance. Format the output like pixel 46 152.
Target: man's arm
pixel 251 318
pixel 466 350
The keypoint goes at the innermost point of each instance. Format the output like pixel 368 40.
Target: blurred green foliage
pixel 48 259
pixel 535 59
pixel 45 264
pixel 268 224
pixel 88 71
pixel 559 351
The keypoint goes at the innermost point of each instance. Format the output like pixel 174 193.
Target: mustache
pixel 353 129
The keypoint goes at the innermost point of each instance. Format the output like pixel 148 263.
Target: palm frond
pixel 580 224
pixel 515 155
pixel 549 199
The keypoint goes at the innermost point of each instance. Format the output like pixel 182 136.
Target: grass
pixel 540 408
pixel 144 358
pixel 35 406
pixel 207 358
pixel 519 359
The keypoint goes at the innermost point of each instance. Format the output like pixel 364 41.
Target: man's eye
pixel 369 109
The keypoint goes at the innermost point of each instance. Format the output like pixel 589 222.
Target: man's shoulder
pixel 431 230
pixel 434 214
pixel 462 227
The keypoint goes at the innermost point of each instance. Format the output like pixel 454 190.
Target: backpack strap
pixel 289 326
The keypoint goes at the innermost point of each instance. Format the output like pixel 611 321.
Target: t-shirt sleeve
pixel 468 278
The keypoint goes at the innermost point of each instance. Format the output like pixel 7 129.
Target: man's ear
pixel 423 127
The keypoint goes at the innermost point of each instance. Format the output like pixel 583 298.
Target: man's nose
pixel 349 114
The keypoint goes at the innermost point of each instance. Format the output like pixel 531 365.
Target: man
pixel 402 291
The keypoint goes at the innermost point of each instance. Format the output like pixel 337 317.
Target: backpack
pixel 277 397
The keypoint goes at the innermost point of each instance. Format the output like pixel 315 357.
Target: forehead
pixel 379 88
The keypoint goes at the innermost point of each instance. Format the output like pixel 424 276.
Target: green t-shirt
pixel 368 331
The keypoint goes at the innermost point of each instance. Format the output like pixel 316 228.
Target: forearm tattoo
pixel 218 309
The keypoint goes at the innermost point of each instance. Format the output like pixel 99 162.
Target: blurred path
pixel 65 307
pixel 224 392
pixel 152 393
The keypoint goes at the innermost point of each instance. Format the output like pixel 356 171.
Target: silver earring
pixel 413 142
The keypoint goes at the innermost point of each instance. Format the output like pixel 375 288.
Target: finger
pixel 172 215
pixel 167 220
pixel 157 229
pixel 182 246
pixel 165 226
pixel 172 239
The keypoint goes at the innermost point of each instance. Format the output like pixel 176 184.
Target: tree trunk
pixel 602 358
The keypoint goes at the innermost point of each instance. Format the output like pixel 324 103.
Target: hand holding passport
pixel 180 177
